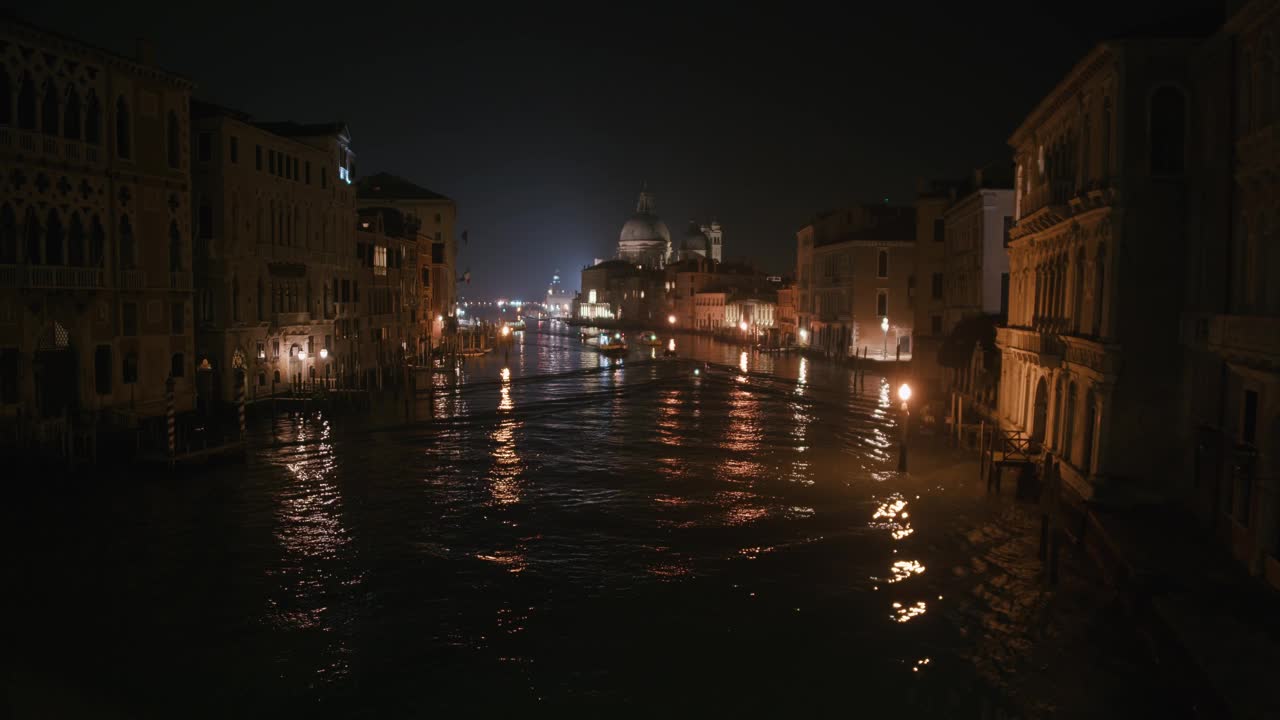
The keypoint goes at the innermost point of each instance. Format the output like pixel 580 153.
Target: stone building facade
pixel 95 235
pixel 275 259
pixel 435 217
pixel 1230 430
pixel 854 275
pixel 1095 266
pixel 386 246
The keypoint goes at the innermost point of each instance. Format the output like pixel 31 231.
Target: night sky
pixel 542 122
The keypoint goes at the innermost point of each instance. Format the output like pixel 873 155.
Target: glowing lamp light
pixel 742 326
pixel 302 354
pixel 804 335
pixel 505 331
pixel 904 392
pixel 884 323
pixel 697 371
pixel 439 318
pixel 324 353
pixel 671 319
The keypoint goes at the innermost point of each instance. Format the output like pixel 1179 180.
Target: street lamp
pixel 742 325
pixel 884 325
pixel 671 319
pixel 904 394
pixel 324 353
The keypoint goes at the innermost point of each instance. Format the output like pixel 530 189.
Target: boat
pixel 589 333
pixel 613 346
pixel 651 339
pixel 517 324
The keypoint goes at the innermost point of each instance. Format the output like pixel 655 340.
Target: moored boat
pixel 613 346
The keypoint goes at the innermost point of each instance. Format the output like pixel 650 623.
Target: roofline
pixel 108 57
pixel 1054 99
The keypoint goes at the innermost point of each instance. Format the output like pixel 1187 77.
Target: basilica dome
pixel 644 238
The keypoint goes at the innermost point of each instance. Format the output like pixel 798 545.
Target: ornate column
pixel 1051 409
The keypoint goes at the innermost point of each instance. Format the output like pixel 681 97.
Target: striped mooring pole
pixel 171 419
pixel 240 389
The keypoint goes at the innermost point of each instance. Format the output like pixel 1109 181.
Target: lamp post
pixel 884 325
pixel 671 319
pixel 904 394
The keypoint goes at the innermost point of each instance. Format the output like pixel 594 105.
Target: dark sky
pixel 542 121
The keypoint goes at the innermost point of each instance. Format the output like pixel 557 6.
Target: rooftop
pixel 393 187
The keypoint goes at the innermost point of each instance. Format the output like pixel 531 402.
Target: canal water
pixel 568 532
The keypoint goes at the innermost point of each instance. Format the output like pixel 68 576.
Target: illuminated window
pixel 591 296
pixel 379 260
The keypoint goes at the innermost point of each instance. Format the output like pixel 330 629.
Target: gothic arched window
pixel 71 116
pixel 27 103
pixel 128 257
pixel 97 244
pixel 75 242
pixel 175 247
pixel 49 110
pixel 31 233
pixel 124 132
pixel 53 240
pixel 175 142
pixel 8 235
pixel 92 119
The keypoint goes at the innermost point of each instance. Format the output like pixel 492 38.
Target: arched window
pixel 1077 290
pixel 8 235
pixel 92 119
pixel 1068 421
pixel 175 247
pixel 882 264
pixel 1086 433
pixel 1168 130
pixel 27 103
pixel 49 109
pixel 124 132
pixel 97 244
pixel 175 142
pixel 205 220
pixel 128 257
pixel 1106 139
pixel 53 240
pixel 31 233
pixel 71 116
pixel 1245 95
pixel 75 242
pixel 1099 289
pixel 6 97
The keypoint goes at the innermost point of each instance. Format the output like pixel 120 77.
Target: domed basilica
pixel 645 239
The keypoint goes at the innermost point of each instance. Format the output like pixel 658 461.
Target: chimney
pixel 146 52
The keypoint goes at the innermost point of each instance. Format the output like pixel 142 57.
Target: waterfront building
pixel 709 308
pixel 925 288
pixel 1088 351
pixel 559 300
pixel 715 240
pixel 854 273
pixel 386 248
pixel 624 291
pixel 274 253
pixel 1230 416
pixel 786 315
pixel 95 237
pixel 683 281
pixel 435 217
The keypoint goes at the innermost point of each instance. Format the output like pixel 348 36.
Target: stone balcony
pixel 51 277
pixel 180 280
pixel 1085 352
pixel 30 142
pixel 1251 339
pixel 1047 347
pixel 133 280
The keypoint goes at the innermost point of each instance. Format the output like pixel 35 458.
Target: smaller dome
pixel 695 240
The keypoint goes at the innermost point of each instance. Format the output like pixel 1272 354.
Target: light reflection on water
pixel 567 527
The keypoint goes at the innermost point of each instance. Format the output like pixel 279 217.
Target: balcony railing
pixel 180 280
pixel 133 280
pixel 1031 341
pixel 50 277
pixel 293 318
